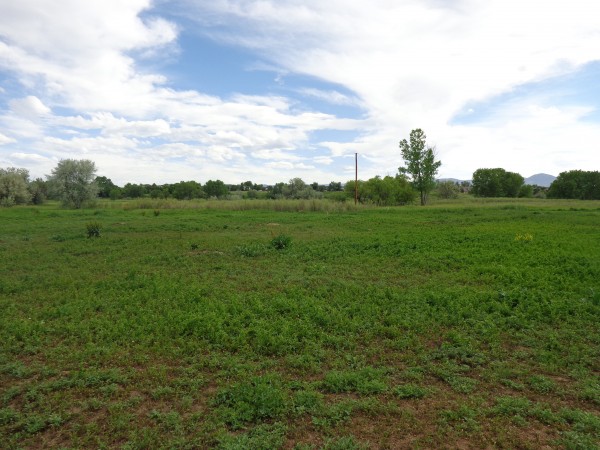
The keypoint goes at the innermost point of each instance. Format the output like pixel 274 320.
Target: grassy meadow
pixel 306 325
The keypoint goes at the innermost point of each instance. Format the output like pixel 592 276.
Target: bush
pixel 93 229
pixel 281 242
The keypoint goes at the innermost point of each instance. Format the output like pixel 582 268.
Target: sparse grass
pixel 392 327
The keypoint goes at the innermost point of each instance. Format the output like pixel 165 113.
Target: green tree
pixel 38 189
pixel 105 185
pixel 13 186
pixel 186 190
pixel 73 181
pixel 387 191
pixel 511 184
pixel 131 190
pixel 496 183
pixel 526 191
pixel 577 184
pixel 216 188
pixel 420 161
pixel 335 186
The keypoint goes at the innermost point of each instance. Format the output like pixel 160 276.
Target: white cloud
pixel 335 97
pixel 29 107
pixel 415 64
pixel 409 64
pixel 6 140
pixel 27 157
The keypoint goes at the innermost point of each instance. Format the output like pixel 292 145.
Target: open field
pixel 460 325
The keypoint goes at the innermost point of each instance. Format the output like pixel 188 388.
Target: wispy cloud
pixel 87 88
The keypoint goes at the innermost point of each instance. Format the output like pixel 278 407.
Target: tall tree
pixel 73 180
pixel 421 165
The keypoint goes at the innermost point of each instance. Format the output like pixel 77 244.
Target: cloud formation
pixel 84 79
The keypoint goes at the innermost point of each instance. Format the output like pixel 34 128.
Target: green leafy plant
pixel 410 391
pixel 281 242
pixel 93 229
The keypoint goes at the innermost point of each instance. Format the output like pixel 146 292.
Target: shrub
pixel 281 242
pixel 93 229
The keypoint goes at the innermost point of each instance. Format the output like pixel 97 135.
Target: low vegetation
pixel 472 323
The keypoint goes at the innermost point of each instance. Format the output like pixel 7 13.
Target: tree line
pixel 76 184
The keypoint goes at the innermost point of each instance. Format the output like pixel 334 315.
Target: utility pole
pixel 355 178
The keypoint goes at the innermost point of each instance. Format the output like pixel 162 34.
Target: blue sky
pixel 267 90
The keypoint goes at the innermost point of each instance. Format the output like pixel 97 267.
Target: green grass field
pixel 465 324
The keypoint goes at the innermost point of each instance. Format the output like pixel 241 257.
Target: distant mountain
pixel 454 180
pixel 541 179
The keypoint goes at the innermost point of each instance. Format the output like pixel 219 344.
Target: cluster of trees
pixel 576 184
pixel 497 183
pixel 183 190
pixel 75 183
pixel 386 191
pixel 72 181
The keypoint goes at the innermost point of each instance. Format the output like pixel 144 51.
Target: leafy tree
pixel 511 184
pixel 187 190
pixel 105 185
pixel 115 193
pixel 421 165
pixel 246 186
pixel 13 186
pixel 387 191
pixel 577 184
pixel 294 187
pixel 216 188
pixel 335 186
pixel 277 190
pixel 131 190
pixel 447 189
pixel 38 189
pixel 496 183
pixel 73 180
pixel 526 191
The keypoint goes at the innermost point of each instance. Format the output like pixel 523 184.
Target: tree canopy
pixel 73 180
pixel 577 184
pixel 496 183
pixel 13 186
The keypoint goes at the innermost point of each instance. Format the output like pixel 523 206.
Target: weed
pixel 156 212
pixel 251 250
pixel 364 381
pixel 307 402
pixel 252 401
pixel 344 443
pixel 463 419
pixel 94 338
pixel 541 384
pixel 262 437
pixel 410 391
pixel 93 229
pixel 281 242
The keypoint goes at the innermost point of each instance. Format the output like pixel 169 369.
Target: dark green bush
pixel 93 229
pixel 281 242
